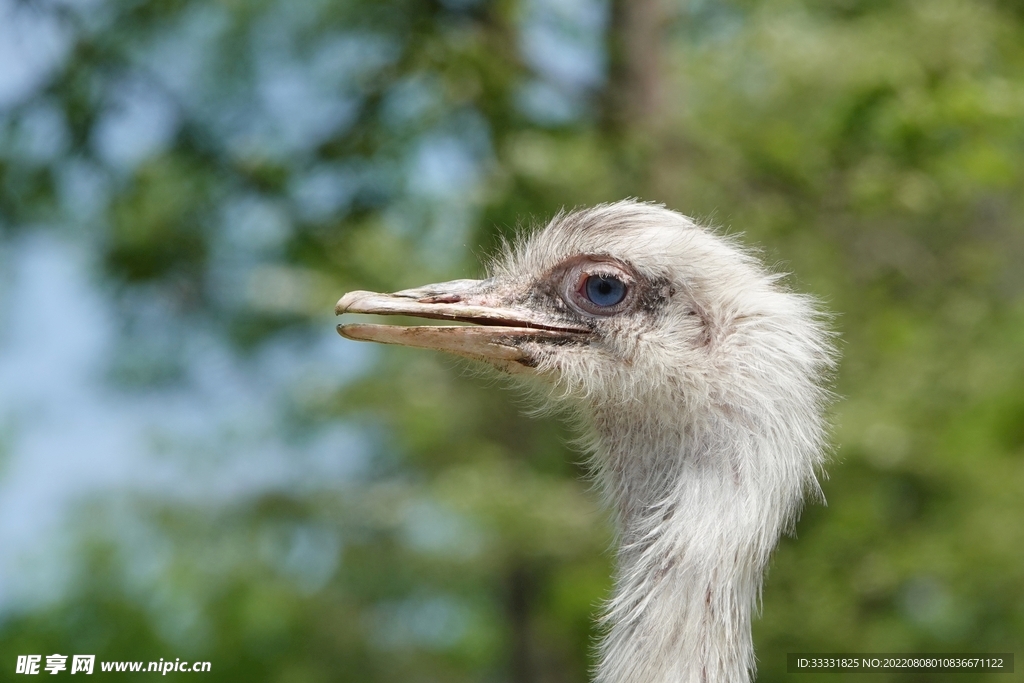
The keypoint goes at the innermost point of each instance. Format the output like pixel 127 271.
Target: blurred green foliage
pixel 874 148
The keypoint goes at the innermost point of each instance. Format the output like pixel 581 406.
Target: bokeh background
pixel 193 464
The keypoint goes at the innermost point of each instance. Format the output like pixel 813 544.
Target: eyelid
pixel 605 271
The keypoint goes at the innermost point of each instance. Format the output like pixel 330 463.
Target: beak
pixel 503 332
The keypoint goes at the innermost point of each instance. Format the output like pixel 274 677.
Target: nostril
pixel 441 299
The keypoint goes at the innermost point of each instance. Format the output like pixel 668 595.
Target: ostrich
pixel 699 379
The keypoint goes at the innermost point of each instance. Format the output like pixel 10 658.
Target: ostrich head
pixel 699 379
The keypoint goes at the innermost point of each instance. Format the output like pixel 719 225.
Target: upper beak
pixel 502 336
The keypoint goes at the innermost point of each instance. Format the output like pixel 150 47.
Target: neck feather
pixel 700 506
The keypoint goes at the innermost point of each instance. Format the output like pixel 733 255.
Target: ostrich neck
pixel 697 522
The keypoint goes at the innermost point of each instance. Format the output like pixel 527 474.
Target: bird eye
pixel 604 290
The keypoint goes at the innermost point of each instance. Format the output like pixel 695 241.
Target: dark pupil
pixel 605 290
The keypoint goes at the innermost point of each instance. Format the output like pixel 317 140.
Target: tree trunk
pixel 520 597
pixel 635 38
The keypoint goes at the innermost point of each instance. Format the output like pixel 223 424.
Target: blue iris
pixel 605 290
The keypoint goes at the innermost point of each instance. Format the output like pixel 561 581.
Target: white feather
pixel 705 421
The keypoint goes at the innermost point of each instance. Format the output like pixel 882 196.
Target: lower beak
pixel 501 334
